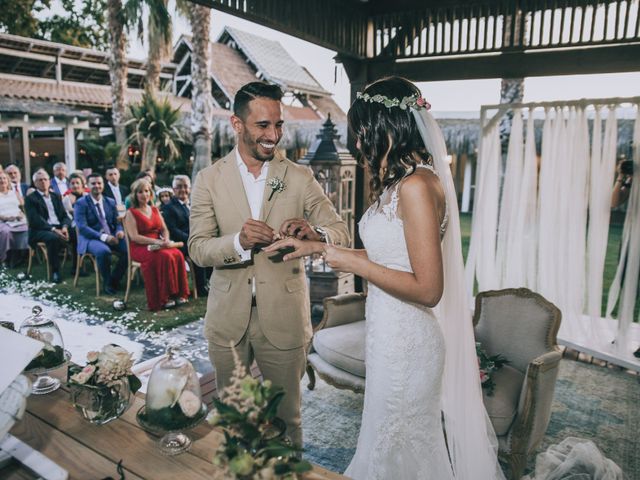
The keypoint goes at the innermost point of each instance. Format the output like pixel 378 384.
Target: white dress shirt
pixel 254 190
pixel 63 186
pixel 116 193
pixel 53 218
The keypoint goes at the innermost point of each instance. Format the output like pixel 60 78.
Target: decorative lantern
pixel 335 169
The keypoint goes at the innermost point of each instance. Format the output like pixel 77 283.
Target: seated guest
pixel 13 225
pixel 165 194
pixel 77 190
pixel 140 176
pixel 113 189
pixel 100 233
pixel 176 216
pixel 16 182
pixel 60 183
pixel 163 268
pixel 48 222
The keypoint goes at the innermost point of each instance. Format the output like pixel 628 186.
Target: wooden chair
pixel 194 290
pixel 41 249
pixel 132 266
pixel 93 260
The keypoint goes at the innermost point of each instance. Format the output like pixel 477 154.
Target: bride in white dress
pixel 420 351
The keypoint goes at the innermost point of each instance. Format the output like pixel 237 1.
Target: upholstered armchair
pixel 522 326
pixel 337 352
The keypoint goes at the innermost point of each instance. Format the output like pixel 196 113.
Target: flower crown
pixel 414 101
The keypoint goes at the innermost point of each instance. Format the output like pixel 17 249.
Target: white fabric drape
pixel 482 248
pixel 601 185
pixel 536 235
pixel 471 439
pixel 629 254
pixel 506 268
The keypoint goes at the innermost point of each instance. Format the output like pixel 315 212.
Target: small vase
pixel 101 404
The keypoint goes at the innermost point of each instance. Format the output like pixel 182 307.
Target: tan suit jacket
pixel 219 208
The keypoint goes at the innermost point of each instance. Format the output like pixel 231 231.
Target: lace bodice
pixel 385 212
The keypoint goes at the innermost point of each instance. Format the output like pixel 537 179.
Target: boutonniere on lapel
pixel 277 185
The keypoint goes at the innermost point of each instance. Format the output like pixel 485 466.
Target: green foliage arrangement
pixel 255 447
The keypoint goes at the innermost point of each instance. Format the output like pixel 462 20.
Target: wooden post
pixel 70 147
pixel 25 153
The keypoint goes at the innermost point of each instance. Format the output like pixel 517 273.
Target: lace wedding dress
pixel 401 435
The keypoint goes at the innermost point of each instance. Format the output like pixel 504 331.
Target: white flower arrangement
pixel 277 185
pixel 106 367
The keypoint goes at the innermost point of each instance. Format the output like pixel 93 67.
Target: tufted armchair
pixel 337 352
pixel 522 326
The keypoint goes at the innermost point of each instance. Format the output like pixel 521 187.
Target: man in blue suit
pixel 100 233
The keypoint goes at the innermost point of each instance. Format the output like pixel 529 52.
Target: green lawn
pixel 83 298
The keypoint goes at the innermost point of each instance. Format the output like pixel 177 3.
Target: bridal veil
pixel 470 437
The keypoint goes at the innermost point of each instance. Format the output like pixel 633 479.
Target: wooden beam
pixel 608 59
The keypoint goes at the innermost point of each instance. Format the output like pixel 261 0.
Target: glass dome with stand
pixel 173 403
pixel 51 357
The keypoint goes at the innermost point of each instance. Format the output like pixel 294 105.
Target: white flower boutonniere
pixel 277 185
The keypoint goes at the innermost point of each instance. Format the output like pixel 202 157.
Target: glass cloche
pixel 173 402
pixel 51 357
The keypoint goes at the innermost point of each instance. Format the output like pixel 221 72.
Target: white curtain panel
pixel 576 208
pixel 528 206
pixel 626 289
pixel 508 265
pixel 601 186
pixel 549 202
pixel 482 247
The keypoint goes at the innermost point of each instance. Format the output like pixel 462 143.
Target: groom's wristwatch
pixel 322 232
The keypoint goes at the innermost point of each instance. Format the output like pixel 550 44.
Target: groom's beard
pixel 256 150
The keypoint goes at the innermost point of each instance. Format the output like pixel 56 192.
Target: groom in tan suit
pixel 239 205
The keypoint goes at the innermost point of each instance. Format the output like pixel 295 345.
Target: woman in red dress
pixel 163 270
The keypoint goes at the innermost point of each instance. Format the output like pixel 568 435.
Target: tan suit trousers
pixel 285 368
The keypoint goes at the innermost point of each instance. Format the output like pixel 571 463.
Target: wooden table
pixel 52 426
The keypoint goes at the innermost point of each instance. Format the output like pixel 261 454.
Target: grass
pixel 83 298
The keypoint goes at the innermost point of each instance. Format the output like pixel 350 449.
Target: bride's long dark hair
pixel 379 129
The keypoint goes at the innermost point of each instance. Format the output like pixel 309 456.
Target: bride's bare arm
pixel 421 202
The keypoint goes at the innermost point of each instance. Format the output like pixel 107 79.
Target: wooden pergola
pixel 428 40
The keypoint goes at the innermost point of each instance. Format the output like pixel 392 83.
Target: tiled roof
pixel 274 61
pixel 229 69
pixel 326 105
pixel 299 113
pixel 77 94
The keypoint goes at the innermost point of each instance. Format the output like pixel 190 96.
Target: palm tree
pixel 200 18
pixel 118 73
pixel 156 127
pixel 159 35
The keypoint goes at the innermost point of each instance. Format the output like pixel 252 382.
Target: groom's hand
pixel 255 232
pixel 300 229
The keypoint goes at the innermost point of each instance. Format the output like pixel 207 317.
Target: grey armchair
pixel 522 326
pixel 337 352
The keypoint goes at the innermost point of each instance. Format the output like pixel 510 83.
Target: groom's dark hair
pixel 251 91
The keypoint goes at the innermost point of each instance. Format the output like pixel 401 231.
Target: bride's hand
pixel 340 259
pixel 295 248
